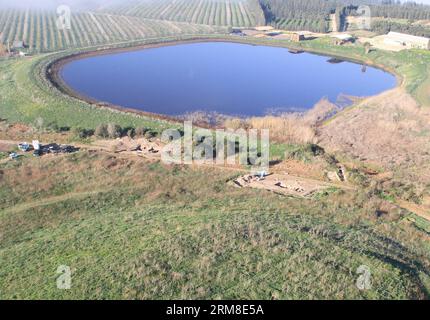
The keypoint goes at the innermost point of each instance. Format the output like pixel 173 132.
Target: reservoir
pixel 227 78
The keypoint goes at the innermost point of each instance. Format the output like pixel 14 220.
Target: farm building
pixel 19 45
pixel 296 37
pixel 407 41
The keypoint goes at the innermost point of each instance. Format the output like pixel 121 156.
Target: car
pixel 37 153
pixel 24 146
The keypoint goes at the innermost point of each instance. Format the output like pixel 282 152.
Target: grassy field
pixel 133 229
pixel 238 13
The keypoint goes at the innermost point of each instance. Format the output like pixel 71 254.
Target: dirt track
pixel 279 182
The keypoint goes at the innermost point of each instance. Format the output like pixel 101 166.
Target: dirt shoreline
pixel 53 71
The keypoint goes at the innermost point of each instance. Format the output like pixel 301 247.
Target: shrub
pixel 101 131
pixel 130 133
pixel 113 131
pixel 289 128
pixel 235 124
pixel 82 133
pixel 150 134
pixel 140 131
pixel 304 152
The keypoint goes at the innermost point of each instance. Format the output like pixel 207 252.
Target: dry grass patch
pixel 291 128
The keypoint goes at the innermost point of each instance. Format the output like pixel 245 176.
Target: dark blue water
pixel 228 78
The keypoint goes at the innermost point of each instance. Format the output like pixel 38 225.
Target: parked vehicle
pixel 37 153
pixel 24 147
pixel 13 156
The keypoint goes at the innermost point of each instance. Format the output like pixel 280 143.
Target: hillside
pixel 132 227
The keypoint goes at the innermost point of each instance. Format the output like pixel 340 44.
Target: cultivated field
pixel 238 13
pixel 39 30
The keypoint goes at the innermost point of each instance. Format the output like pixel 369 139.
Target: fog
pixel 86 4
pixel 52 4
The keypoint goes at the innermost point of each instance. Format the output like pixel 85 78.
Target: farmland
pixel 134 228
pixel 39 30
pixel 238 13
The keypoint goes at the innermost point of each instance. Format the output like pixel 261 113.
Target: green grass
pixel 150 231
pixel 422 224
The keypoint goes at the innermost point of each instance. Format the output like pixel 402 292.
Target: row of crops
pixel 238 13
pixel 316 25
pixel 38 29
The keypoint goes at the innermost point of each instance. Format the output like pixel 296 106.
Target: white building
pixel 343 37
pixel 407 41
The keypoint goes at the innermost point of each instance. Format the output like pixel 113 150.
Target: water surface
pixel 228 78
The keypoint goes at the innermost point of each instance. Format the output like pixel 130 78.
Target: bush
pixel 304 152
pixel 289 128
pixel 82 133
pixel 150 134
pixel 130 133
pixel 101 131
pixel 113 130
pixel 235 124
pixel 54 127
pixel 140 132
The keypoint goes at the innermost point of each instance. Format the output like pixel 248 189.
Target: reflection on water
pixel 226 78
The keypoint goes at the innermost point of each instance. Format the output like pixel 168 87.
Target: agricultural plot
pixel 238 13
pixel 299 24
pixel 38 29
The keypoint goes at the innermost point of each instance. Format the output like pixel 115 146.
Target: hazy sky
pixel 83 3
pixel 56 3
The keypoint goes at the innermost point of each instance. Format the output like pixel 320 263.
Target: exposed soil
pixel 390 130
pixel 287 185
